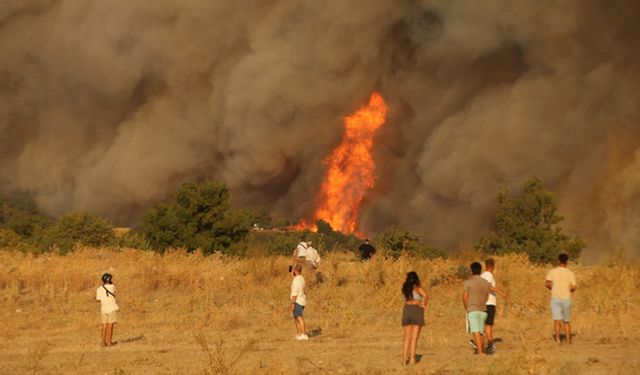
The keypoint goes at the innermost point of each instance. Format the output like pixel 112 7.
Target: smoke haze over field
pixel 108 106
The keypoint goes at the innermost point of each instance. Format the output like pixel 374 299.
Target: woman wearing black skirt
pixel 415 302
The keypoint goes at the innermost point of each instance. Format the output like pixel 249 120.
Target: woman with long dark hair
pixel 415 302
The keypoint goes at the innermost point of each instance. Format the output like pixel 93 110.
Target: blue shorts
pixel 297 310
pixel 561 309
pixel 476 321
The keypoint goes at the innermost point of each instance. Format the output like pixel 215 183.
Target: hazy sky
pixel 109 105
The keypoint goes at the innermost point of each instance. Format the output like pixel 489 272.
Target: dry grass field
pixel 189 314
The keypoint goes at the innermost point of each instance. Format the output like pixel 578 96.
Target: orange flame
pixel 350 171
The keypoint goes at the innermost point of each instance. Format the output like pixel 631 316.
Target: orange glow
pixel 350 168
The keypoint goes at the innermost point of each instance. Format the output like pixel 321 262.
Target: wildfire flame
pixel 350 167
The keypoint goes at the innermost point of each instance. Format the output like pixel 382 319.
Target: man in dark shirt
pixel 366 250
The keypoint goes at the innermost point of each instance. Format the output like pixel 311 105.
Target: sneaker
pixel 473 344
pixel 302 338
pixel 489 351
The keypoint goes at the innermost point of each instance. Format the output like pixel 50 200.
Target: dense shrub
pixel 9 239
pixel 19 213
pixel 529 224
pixel 198 216
pixel 132 239
pixel 78 228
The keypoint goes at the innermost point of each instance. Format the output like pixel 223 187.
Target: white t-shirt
pixel 297 289
pixel 302 249
pixel 107 300
pixel 492 280
pixel 561 281
pixel 313 256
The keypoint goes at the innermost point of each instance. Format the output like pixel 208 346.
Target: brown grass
pixel 187 313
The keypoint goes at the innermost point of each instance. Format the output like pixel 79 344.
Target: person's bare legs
pixel 109 335
pixel 415 332
pixel 567 332
pixel 406 347
pixel 488 333
pixel 297 323
pixel 300 325
pixel 477 339
pixel 557 326
pixel 104 335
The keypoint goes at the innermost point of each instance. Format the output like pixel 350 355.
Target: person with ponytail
pixel 415 302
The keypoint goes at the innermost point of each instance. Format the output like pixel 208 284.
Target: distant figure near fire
pixel 562 282
pixel 366 250
pixel 300 252
pixel 311 265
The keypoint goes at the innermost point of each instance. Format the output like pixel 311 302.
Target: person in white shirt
pixel 562 282
pixel 298 302
pixel 299 253
pixel 489 265
pixel 311 264
pixel 312 256
pixel 106 295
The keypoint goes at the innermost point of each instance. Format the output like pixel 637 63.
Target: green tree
pixel 529 224
pixel 198 216
pixel 78 228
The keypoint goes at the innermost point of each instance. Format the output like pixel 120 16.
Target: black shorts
pixel 491 314
pixel 413 315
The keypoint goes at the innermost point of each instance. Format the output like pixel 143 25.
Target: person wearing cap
pixel 106 295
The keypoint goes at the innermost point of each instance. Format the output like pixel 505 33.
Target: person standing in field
pixel 366 250
pixel 491 303
pixel 474 299
pixel 562 282
pixel 415 303
pixel 298 302
pixel 312 263
pixel 105 294
pixel 300 252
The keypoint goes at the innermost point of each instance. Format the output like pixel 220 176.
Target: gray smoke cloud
pixel 108 106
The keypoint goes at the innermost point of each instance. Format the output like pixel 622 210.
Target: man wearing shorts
pixel 562 282
pixel 474 299
pixel 491 303
pixel 298 302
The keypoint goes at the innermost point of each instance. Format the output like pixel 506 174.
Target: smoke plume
pixel 108 106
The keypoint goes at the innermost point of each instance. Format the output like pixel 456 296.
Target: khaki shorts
pixel 109 318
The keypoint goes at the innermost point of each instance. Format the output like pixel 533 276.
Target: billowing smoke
pixel 108 106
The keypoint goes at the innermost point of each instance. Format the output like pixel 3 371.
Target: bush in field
pixel 78 228
pixel 198 216
pixel 9 239
pixel 529 224
pixel 19 213
pixel 132 240
pixel 397 241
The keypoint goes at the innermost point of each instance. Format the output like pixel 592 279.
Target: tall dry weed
pixel 219 358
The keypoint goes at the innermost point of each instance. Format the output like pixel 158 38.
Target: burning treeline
pixel 110 108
